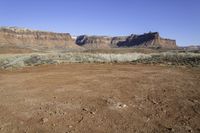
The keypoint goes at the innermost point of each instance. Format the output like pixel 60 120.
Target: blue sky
pixel 176 19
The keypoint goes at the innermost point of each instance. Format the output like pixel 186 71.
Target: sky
pixel 175 19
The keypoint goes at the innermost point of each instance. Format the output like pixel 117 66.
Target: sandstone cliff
pixel 148 40
pixel 93 42
pixel 12 37
pixel 25 38
pixel 99 42
pixel 145 40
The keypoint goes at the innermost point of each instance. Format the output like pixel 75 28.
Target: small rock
pixel 189 129
pixel 92 113
pixel 148 119
pixel 124 106
pixel 56 112
pixel 85 109
pixel 120 105
pixel 44 120
pixel 170 129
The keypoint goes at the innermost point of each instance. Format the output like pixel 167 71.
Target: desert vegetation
pixel 91 87
pixel 9 61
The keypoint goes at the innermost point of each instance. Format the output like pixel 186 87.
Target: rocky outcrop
pixel 25 38
pixel 117 40
pixel 12 37
pixel 148 40
pixel 94 42
pixel 99 42
pixel 145 40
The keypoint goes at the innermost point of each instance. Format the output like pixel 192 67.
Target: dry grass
pixel 171 58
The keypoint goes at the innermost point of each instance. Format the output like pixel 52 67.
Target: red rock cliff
pixel 26 38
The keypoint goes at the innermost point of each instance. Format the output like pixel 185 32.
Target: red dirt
pixel 100 98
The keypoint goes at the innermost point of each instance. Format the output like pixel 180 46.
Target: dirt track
pixel 100 98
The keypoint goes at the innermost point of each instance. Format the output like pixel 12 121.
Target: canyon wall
pixel 146 40
pixel 40 40
pixel 25 38
pixel 94 42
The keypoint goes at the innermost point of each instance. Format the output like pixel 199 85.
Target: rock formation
pixel 117 40
pixel 145 40
pixel 148 40
pixel 93 42
pixel 25 38
pixel 40 40
pixel 99 42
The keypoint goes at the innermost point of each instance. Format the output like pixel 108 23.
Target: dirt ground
pixel 100 98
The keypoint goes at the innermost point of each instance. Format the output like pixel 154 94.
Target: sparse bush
pixel 170 58
pixel 34 59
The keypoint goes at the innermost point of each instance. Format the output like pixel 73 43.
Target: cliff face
pixel 25 38
pixel 148 40
pixel 99 42
pixel 40 40
pixel 94 42
pixel 145 40
pixel 117 40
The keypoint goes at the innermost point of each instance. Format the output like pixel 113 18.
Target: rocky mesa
pixel 26 38
pixel 151 39
pixel 148 40
pixel 41 40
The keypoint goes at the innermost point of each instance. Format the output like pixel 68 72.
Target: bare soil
pixel 100 98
